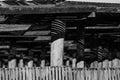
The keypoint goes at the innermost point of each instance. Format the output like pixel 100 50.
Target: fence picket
pixel 49 73
pixel 63 73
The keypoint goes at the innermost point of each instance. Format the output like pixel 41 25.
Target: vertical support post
pixel 80 46
pixel 110 59
pixel 100 57
pixel 57 45
pixel 42 63
pixel 74 63
pixel 67 63
pixel 103 56
pixel 30 63
pixel 12 62
pixel 21 63
pixel 9 64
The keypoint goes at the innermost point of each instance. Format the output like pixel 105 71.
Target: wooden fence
pixel 59 73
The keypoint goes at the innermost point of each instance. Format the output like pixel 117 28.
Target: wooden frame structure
pixel 59 41
pixel 76 15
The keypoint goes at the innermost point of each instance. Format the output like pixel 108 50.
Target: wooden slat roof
pixel 63 7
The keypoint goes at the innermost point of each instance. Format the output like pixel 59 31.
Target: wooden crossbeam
pixel 103 27
pixel 31 33
pixel 16 37
pixel 13 27
pixel 40 38
pixel 26 39
pixel 21 49
pixel 117 35
pixel 4 47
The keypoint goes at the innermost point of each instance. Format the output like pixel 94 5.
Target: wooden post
pixel 105 63
pixel 21 63
pixel 99 64
pixel 9 64
pixel 42 63
pixel 80 46
pixel 96 64
pixel 29 70
pixel 74 63
pixel 57 45
pixel 67 63
pixel 115 63
pixel 92 65
pixel 80 64
pixel 30 62
pixel 13 63
pixel 110 64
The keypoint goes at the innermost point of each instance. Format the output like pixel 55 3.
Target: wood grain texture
pixel 65 7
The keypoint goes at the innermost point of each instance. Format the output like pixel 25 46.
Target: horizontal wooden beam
pixel 21 49
pixel 117 35
pixel 14 27
pixel 112 33
pixel 37 33
pixel 4 46
pixel 37 39
pixel 41 38
pixel 102 27
pixel 16 37
pixel 44 10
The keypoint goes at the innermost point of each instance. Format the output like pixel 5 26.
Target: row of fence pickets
pixel 115 63
pixel 59 73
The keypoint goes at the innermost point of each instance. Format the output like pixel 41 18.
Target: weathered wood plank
pixel 103 27
pixel 13 27
pixel 37 33
pixel 16 36
pixel 44 10
pixel 65 7
pixel 39 38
